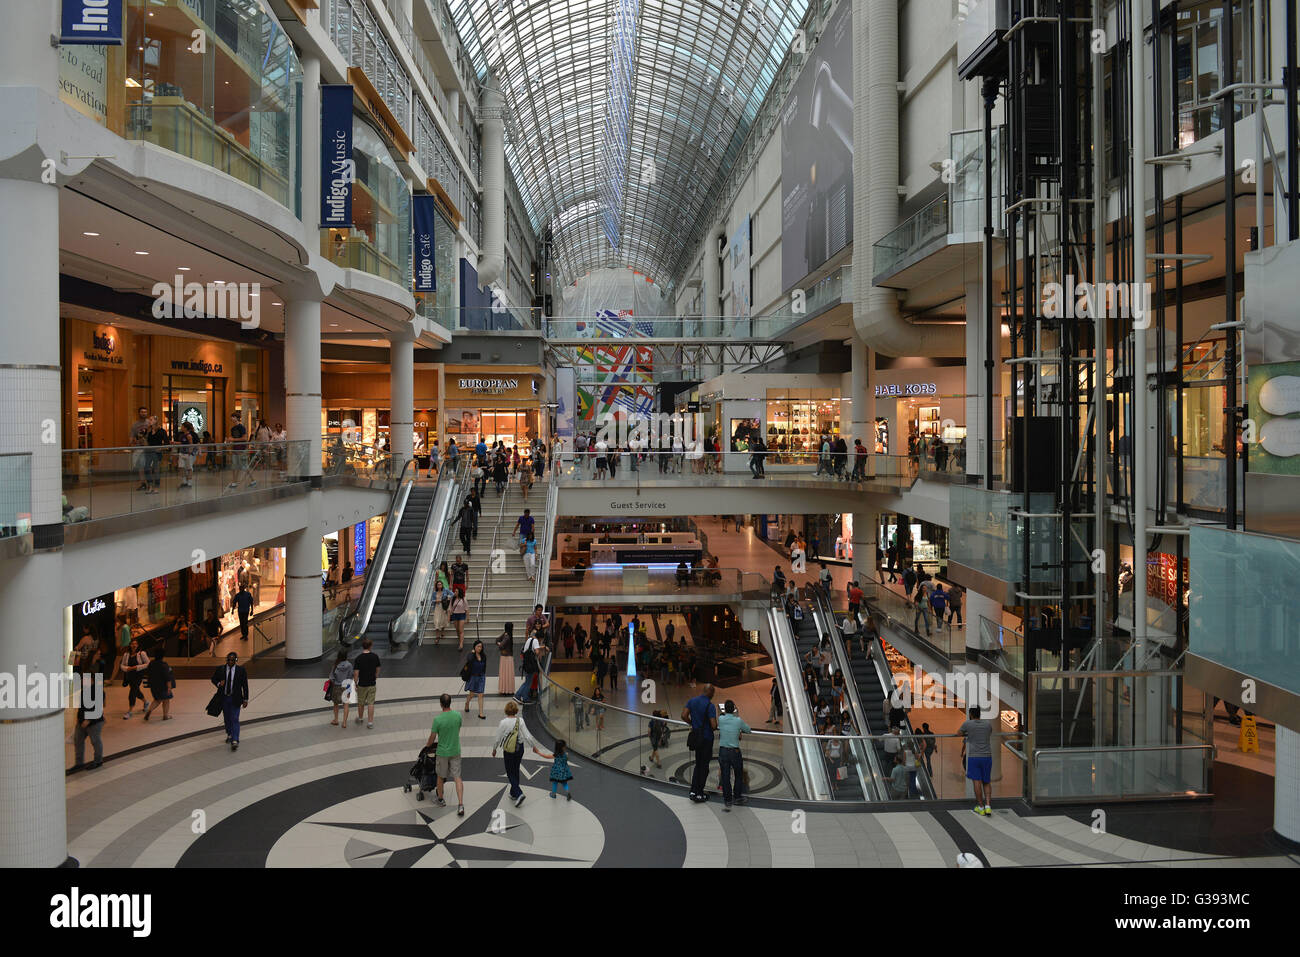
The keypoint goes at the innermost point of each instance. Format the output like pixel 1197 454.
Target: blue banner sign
pixel 87 22
pixel 424 219
pixel 338 171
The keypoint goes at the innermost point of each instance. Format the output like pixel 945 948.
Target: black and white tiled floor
pixel 301 792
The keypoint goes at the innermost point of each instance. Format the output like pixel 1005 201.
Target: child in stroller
pixel 423 775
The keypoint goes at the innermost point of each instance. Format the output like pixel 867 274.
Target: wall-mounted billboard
pixel 817 155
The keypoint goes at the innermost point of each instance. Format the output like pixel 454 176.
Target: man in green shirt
pixel 730 728
pixel 446 733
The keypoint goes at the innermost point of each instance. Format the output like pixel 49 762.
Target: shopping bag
pixel 349 692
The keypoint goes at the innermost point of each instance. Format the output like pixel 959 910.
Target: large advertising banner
pixel 423 217
pixel 566 395
pixel 817 155
pixel 622 373
pixel 741 293
pixel 337 171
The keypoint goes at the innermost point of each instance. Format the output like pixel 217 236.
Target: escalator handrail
pixel 817 783
pixel 425 606
pixel 823 613
pixel 478 613
pixel 406 595
pixel 544 558
pixel 378 564
pixel 883 675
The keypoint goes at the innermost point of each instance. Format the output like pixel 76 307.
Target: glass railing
pixel 1243 607
pixel 902 614
pixel 1071 774
pixel 833 289
pixel 987 534
pixel 622 739
pixel 720 468
pixel 695 583
pixel 15 493
pixel 911 236
pixel 103 483
pixel 356 459
pixel 157 87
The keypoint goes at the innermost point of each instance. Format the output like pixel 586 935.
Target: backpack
pixel 513 742
pixel 465 669
pixel 530 657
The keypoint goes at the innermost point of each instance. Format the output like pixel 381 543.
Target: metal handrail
pixel 543 583
pixel 406 598
pixel 425 607
pixel 488 567
pixel 395 510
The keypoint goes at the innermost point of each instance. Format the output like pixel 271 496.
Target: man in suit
pixel 231 681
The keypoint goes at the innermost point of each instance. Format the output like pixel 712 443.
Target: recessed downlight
pixel 183 268
pixel 142 252
pixel 90 234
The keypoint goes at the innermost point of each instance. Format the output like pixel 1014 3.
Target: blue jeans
pixel 230 713
pixel 522 693
pixel 700 773
pixel 922 611
pixel 732 767
pixel 513 760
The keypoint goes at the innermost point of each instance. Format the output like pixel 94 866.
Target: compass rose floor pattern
pixel 300 792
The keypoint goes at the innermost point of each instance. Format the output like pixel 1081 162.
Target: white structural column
pixel 302 377
pixel 310 149
pixel 863 426
pixel 33 823
pixel 401 432
pixel 1286 795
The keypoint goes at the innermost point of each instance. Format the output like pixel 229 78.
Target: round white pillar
pixel 302 371
pixel 303 610
pixel 33 819
pixel 401 416
pixel 1286 784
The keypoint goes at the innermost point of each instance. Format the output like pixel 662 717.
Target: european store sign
pixel 91 22
pixel 907 389
pixel 488 386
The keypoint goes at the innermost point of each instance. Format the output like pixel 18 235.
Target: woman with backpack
pixel 506 661
pixel 512 738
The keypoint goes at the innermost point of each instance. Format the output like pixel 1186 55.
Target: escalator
pixel 869 689
pixel 845 782
pixel 802 756
pixel 402 552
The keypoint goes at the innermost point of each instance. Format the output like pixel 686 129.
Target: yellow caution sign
pixel 1248 740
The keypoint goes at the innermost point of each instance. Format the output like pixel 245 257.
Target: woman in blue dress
pixel 476 678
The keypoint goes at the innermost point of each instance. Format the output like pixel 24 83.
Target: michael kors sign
pixel 488 386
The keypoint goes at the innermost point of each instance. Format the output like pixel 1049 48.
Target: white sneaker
pixel 1280 395
pixel 1281 437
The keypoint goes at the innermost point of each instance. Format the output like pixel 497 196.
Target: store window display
pixel 796 421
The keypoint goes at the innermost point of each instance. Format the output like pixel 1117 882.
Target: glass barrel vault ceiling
pixel 699 71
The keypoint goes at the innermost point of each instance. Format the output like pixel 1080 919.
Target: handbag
pixel 214 706
pixel 465 671
pixel 692 739
pixel 328 687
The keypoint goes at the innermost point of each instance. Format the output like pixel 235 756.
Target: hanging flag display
pixel 338 171
pixel 423 221
pixel 91 22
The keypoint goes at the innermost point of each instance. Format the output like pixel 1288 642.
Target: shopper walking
pixel 730 762
pixel 366 670
pixel 90 724
pixel 445 733
pixel 702 715
pixel 341 686
pixel 231 681
pixel 441 610
pixel 530 555
pixel 512 738
pixel 506 659
pixel 954 605
pixel 134 664
pixel 459 614
pixel 474 674
pixel 531 661
pixel 162 685
pixel 560 773
pixel 776 709
pixel 467 523
pixel 243 602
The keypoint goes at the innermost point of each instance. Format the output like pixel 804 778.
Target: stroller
pixel 423 775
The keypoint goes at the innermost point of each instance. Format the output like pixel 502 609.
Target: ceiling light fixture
pixel 90 234
pixel 141 252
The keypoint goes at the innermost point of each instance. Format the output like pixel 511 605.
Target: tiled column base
pixel 33 821
pixel 1286 795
